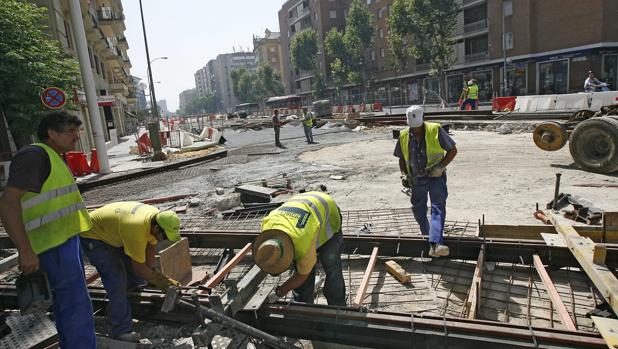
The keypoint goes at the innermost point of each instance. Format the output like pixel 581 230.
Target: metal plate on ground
pixel 554 239
pixel 28 331
pixel 258 298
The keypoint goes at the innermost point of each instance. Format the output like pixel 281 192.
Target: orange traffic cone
pixel 94 161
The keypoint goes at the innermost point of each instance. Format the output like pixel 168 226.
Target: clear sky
pixel 190 33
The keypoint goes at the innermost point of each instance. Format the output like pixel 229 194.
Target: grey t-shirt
pixel 418 151
pixel 29 169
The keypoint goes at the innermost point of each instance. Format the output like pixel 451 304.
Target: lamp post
pixel 153 126
pixel 153 101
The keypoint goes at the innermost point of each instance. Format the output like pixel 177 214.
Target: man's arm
pixel 450 155
pixel 151 250
pixel 142 270
pixel 292 283
pixel 402 166
pixel 11 213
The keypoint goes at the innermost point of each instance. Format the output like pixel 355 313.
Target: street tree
pixel 31 61
pixel 304 51
pixel 399 49
pixel 339 56
pixel 270 82
pixel 243 85
pixel 199 105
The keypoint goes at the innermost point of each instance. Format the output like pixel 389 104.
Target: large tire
pixel 594 145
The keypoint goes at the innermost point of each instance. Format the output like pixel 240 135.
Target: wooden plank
pixel 553 294
pixel 398 272
pixel 474 297
pixel 608 328
pixel 198 277
pixel 175 262
pixel 257 190
pixel 583 250
pixel 217 278
pixel 360 294
pixel 9 262
pixel 533 232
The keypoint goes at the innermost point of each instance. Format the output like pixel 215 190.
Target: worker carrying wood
pixel 424 150
pixel 304 229
pixel 122 246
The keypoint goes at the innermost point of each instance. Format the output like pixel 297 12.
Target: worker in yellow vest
pixel 424 150
pixel 43 213
pixel 308 122
pixel 122 245
pixel 471 95
pixel 305 229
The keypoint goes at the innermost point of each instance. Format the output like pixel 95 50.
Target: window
pixel 67 30
pixel 508 41
pixel 610 70
pixel 553 77
pixel 516 81
pixel 507 8
pixel 96 64
pixel 369 2
pixel 274 60
pixel 373 55
pixel 475 14
pixel 381 32
pixel 332 14
pixel 382 52
pixel 382 12
pixel 454 85
pixel 91 60
pixel 103 70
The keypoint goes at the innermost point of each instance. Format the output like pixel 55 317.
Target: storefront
pixel 553 77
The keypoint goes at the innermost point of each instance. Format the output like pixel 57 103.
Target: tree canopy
pixel 304 51
pixel 254 86
pixel 31 61
pixel 200 104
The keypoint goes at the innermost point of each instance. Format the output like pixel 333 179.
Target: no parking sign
pixel 53 98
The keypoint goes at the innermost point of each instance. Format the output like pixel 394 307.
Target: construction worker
pixel 122 245
pixel 308 121
pixel 304 229
pixel 43 213
pixel 471 95
pixel 277 128
pixel 424 150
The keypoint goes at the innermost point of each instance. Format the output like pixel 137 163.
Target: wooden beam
pixel 398 272
pixel 360 294
pixel 533 232
pixel 583 250
pixel 607 329
pixel 218 277
pixel 9 262
pixel 474 296
pixel 553 294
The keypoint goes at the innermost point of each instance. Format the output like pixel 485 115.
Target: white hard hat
pixel 414 114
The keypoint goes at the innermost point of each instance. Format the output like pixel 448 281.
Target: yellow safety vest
pixel 303 217
pixel 435 152
pixel 308 119
pixel 473 92
pixel 57 213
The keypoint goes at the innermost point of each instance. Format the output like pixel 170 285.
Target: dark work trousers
pixel 329 256
pixel 277 133
pixel 72 305
pixel 472 102
pixel 117 275
pixel 437 190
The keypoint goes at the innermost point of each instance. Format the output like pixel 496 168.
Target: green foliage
pixel 270 82
pixel 200 104
pixel 254 87
pixel 304 49
pixel 400 27
pixel 359 24
pixel 31 61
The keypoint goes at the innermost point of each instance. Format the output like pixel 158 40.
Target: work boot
pixel 132 337
pixel 437 250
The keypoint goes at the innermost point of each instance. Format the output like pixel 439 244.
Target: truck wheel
pixel 550 136
pixel 594 145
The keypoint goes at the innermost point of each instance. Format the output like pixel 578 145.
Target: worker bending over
pixel 304 229
pixel 122 246
pixel 424 150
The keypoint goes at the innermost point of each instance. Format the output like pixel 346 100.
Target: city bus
pixel 246 109
pixel 286 103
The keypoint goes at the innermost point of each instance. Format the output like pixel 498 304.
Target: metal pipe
pixel 556 191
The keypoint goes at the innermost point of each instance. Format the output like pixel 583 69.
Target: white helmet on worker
pixel 414 114
pixel 273 251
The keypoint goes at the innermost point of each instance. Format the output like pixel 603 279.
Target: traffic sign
pixel 53 98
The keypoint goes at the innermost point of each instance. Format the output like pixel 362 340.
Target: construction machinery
pixel 593 138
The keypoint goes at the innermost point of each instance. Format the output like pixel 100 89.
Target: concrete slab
pixel 175 262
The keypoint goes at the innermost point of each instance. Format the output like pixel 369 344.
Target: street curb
pixel 85 186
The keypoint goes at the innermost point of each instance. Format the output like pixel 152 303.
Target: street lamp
pixel 153 126
pixel 154 101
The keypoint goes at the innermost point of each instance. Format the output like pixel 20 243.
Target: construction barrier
pixel 572 101
pixel 601 99
pixel 143 144
pixel 505 104
pixel 377 106
pixel 531 104
pixel 94 161
pixel 77 163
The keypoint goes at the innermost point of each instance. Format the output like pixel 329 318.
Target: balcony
pixel 111 22
pixel 302 13
pixel 120 88
pixel 475 26
pixel 114 60
pixel 475 57
pixel 126 63
pixel 123 43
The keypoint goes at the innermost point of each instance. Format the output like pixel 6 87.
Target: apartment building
pixel 185 97
pixel 296 16
pixel 220 77
pixel 140 93
pixel 202 81
pixel 267 50
pixel 107 48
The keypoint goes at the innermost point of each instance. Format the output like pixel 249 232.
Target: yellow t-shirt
pixel 124 224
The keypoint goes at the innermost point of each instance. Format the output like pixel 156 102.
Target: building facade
pixel 220 77
pixel 545 51
pixel 185 97
pixel 110 64
pixel 202 81
pixel 267 50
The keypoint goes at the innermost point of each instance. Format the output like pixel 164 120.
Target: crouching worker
pixel 122 246
pixel 305 229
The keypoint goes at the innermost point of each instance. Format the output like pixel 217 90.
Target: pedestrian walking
pixel 424 150
pixel 43 213
pixel 470 95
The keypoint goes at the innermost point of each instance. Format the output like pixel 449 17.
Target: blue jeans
pixel 72 305
pixel 472 102
pixel 117 275
pixel 329 256
pixel 436 188
pixel 308 133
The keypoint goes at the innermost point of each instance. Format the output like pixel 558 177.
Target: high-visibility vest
pixel 57 213
pixel 473 92
pixel 308 119
pixel 435 152
pixel 303 217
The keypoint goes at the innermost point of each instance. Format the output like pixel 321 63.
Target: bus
pixel 287 103
pixel 246 109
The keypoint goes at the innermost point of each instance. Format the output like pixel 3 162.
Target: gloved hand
pixel 437 171
pixel 272 298
pixel 404 181
pixel 161 281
